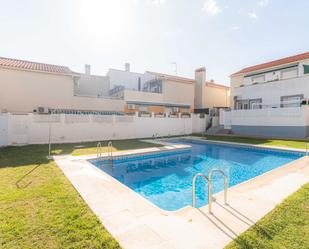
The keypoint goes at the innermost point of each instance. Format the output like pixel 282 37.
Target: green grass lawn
pixel 39 208
pixel 257 141
pixel 91 147
pixel 286 227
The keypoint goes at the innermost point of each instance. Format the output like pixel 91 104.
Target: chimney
pixel 127 67
pixel 87 69
pixel 200 78
pixel 200 75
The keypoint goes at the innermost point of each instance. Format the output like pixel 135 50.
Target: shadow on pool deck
pixel 229 231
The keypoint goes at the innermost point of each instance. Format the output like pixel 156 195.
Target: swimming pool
pixel 165 178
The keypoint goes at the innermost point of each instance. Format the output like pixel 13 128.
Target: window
pixel 242 105
pixel 131 107
pixel 175 109
pixel 289 73
pixel 168 109
pixel 154 86
pixel 76 81
pixel 272 76
pixel 255 103
pixel 306 69
pixel 258 79
pixel 139 84
pixel 143 108
pixel 292 100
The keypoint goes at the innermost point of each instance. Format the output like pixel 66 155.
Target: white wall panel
pixel 32 129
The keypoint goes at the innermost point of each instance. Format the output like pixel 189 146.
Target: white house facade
pixel 87 84
pixel 265 99
pixel 272 84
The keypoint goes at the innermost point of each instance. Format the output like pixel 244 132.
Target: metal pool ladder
pixel 307 147
pixel 110 150
pixel 99 149
pixel 225 184
pixel 193 189
pixel 208 179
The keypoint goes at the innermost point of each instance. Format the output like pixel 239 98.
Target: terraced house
pixel 279 83
pixel 39 87
pixel 158 93
pixel 271 99
pixel 164 94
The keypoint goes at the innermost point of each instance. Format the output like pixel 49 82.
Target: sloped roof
pixel 274 63
pixel 34 66
pixel 172 77
pixel 212 84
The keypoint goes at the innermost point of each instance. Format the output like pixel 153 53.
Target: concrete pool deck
pixel 136 223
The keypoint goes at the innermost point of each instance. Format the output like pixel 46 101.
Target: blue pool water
pixel 165 178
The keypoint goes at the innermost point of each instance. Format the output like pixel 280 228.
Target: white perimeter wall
pixel 293 116
pixel 34 129
pixel 3 129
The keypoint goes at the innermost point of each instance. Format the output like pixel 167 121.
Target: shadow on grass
pixel 14 156
pixel 19 181
pixel 90 147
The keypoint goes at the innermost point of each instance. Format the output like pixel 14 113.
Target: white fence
pixel 291 116
pixel 3 130
pixel 289 122
pixel 65 128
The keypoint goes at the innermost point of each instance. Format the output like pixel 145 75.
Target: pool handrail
pixel 210 186
pixel 307 147
pixel 110 150
pixel 99 149
pixel 193 190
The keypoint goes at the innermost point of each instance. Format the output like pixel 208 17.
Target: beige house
pixel 159 94
pixel 37 87
pixel 44 88
pixel 208 94
pixel 163 93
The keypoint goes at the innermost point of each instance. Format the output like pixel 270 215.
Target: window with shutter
pixel 306 69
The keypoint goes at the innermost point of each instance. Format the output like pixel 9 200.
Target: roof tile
pixel 35 66
pixel 274 63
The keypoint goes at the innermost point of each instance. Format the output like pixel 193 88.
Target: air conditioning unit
pixel 41 110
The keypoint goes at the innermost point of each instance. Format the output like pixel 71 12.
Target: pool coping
pixel 185 147
pixel 183 213
pixel 244 144
pixel 166 146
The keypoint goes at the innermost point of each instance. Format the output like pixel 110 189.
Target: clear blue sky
pixel 223 35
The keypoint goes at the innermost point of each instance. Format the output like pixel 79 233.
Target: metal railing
pixel 210 186
pixel 110 150
pixel 156 136
pixel 193 190
pixel 208 179
pixel 99 149
pixel 307 149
